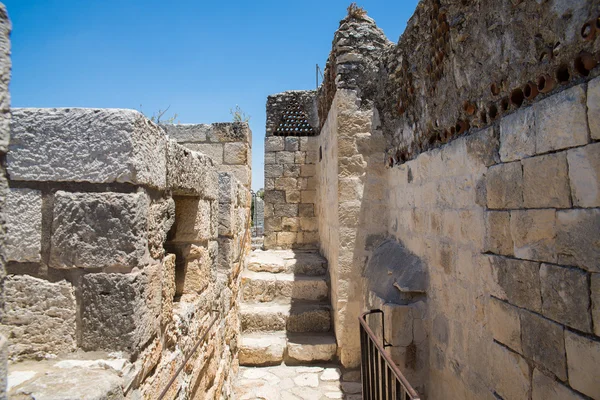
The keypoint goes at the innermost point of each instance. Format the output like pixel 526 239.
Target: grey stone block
pixel 517 281
pixel 23 213
pixel 187 133
pixel 120 311
pixel 504 184
pixel 39 316
pixel 546 181
pixel 191 173
pixel 565 296
pixel 160 220
pixel 86 145
pixel 517 135
pixel 227 188
pixel 578 233
pixel 584 175
pixel 99 230
pixel 583 358
pixel 543 343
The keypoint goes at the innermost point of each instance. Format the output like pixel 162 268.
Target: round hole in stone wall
pixel 562 74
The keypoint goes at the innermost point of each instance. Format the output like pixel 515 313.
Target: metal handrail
pixel 377 382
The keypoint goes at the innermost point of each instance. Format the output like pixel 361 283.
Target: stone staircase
pixel 285 313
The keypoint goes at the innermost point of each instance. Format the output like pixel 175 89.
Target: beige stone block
pixel 292 196
pixel 285 157
pixel 290 224
pixel 583 359
pixel 286 239
pixel 545 181
pixel 352 166
pixel 498 238
pixel 192 220
pixel 595 299
pixel 548 388
pixel 565 296
pixel 274 143
pixel 270 240
pixel 517 135
pixel 306 210
pixel 309 196
pixel 584 175
pixel 270 159
pixel 286 183
pixel 273 224
pixel 505 324
pixel 213 150
pixel 291 144
pixel 309 238
pixel 347 146
pixel 285 210
pixel 578 238
pixel 269 184
pixel 291 170
pixel 273 171
pixel 241 172
pixel 196 272
pixel 504 186
pixel 235 153
pixel 516 281
pixel 543 342
pixel 398 324
pixel 510 373
pixel 561 120
pixel 349 189
pixel 312 157
pixel 534 233
pixel 300 157
pixel 311 183
pixel 308 170
pixel 309 224
pixel 593 107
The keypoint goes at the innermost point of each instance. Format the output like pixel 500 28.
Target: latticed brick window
pixel 294 122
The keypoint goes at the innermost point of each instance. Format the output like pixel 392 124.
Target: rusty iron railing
pixel 381 377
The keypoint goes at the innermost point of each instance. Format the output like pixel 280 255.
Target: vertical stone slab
pixel 23 225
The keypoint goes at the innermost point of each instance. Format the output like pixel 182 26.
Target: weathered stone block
pixel 99 230
pixel 273 171
pixel 227 188
pixel 286 183
pixel 543 342
pixel 595 294
pixel 213 150
pixel 286 239
pixel 306 210
pixel 534 233
pixel 196 271
pixel 291 170
pixel 546 388
pixel 226 219
pixel 565 296
pixel 308 170
pixel 235 153
pixel 291 144
pixel 222 132
pixel 504 186
pixel 120 311
pixel 561 120
pixel 274 143
pixel 86 145
pixel 190 173
pixel 517 281
pixel 167 289
pixel 584 175
pixel 275 197
pixel 23 224
pixel 546 182
pixel 285 157
pixel 160 220
pixel 192 220
pixel 39 316
pixel 593 107
pixel 578 235
pixel 517 135
pixel 498 238
pixel 292 196
pixel 290 224
pixel 510 373
pixel 270 158
pixel 241 172
pixel 583 358
pixel 187 133
pixel 273 224
pixel 505 324
pixel 300 157
pixel 309 224
pixel 309 196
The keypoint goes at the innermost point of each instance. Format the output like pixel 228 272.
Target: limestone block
pixel 275 197
pixel 190 173
pixel 517 135
pixel 300 157
pixel 167 289
pixel 398 324
pixel 290 224
pixel 270 158
pixel 505 324
pixel 285 210
pixel 309 196
pixel 565 296
pixel 261 349
pixel 504 186
pixel 583 358
pixel 285 157
pixel 546 182
pixel 311 349
pixel 23 225
pixel 86 145
pixel 543 343
pixel 274 143
pixel 291 170
pixel 561 120
pixel 546 388
pixel 192 220
pixel 309 224
pixel 270 240
pixel 584 175
pixel 291 144
pixel 578 232
pixel 510 373
pixel 160 220
pixel 221 132
pixel 39 316
pixel 235 153
pixel 306 210
pixel 273 224
pixel 227 218
pixel 308 170
pixel 273 171
pixel 292 196
pixel 286 183
pixel 593 107
pixel 197 271
pixel 517 282
pixel 187 133
pixel 99 230
pixel 498 238
pixel 213 150
pixel 595 292
pixel 241 172
pixel 534 233
pixel 227 188
pixel 120 311
pixel 286 239
pixel 269 184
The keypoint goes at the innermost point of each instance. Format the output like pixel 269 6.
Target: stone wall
pixel 290 181
pixel 5 68
pixel 120 239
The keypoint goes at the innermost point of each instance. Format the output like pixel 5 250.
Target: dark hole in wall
pixel 517 97
pixel 320 153
pixel 562 74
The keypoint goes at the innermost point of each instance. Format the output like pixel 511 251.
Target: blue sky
pixel 200 58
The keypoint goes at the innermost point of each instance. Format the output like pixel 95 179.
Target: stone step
pixel 287 261
pixel 283 287
pixel 272 348
pixel 295 317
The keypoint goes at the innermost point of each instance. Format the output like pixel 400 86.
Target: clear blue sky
pixel 201 58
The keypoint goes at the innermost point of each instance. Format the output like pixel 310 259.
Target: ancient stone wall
pixel 5 68
pixel 290 182
pixel 116 241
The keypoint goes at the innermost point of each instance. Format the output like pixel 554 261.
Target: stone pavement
pixel 284 382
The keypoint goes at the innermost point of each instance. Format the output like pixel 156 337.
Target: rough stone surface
pixel 584 175
pixel 190 173
pixel 583 358
pixel 39 317
pixel 543 342
pixel 498 238
pixel 262 349
pixel 517 281
pixel 593 104
pixel 23 226
pixel 595 293
pixel 546 388
pixel 577 238
pixel 517 135
pixel 505 324
pixel 505 186
pixel 86 145
pixel 99 230
pixel 545 181
pixel 534 233
pixel 311 348
pixel 510 373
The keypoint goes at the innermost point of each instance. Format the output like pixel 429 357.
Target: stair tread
pixel 282 276
pixel 279 307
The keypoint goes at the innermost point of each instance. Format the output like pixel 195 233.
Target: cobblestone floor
pixel 284 382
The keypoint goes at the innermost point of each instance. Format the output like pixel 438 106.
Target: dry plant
pixel 355 11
